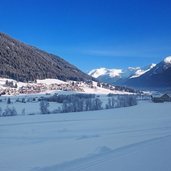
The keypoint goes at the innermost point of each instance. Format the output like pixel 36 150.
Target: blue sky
pixel 93 33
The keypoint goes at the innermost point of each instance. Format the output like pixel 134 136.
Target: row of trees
pixel 8 112
pixel 121 101
pixel 10 84
pixel 77 103
pixel 82 102
pixel 20 100
pixel 60 98
pixel 73 104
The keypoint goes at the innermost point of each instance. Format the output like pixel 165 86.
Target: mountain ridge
pixel 23 62
pixel 151 76
pixel 118 76
pixel 157 77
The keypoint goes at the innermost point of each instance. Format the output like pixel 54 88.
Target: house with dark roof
pixel 161 99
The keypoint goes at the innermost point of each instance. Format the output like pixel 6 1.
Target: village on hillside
pixel 14 88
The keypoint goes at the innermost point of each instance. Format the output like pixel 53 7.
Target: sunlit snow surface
pixel 130 72
pixel 167 60
pixel 135 138
pixel 104 71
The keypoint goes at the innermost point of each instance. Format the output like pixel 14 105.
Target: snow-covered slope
pixel 51 81
pixel 115 75
pixel 3 81
pixel 127 139
pixel 152 76
pixel 105 72
pixel 167 60
pixel 157 77
pixel 142 71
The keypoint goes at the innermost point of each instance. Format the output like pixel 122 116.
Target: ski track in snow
pixel 124 139
pixel 88 163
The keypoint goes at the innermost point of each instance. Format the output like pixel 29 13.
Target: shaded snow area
pixel 135 138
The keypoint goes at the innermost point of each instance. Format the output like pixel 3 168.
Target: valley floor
pixel 123 139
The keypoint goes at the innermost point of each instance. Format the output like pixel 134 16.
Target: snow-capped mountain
pixel 142 71
pixel 157 77
pixel 151 76
pixel 118 76
pixel 104 71
pixel 106 75
pixel 167 60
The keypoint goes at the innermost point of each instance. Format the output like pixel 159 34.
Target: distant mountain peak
pixel 105 72
pixel 167 60
pixel 117 75
pixel 153 65
pixel 143 70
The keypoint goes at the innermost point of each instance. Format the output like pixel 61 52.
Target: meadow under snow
pixel 133 138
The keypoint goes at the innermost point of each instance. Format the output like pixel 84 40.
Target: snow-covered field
pixel 135 138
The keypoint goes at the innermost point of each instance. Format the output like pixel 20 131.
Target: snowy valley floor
pixel 135 138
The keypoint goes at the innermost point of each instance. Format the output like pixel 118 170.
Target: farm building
pixel 161 99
